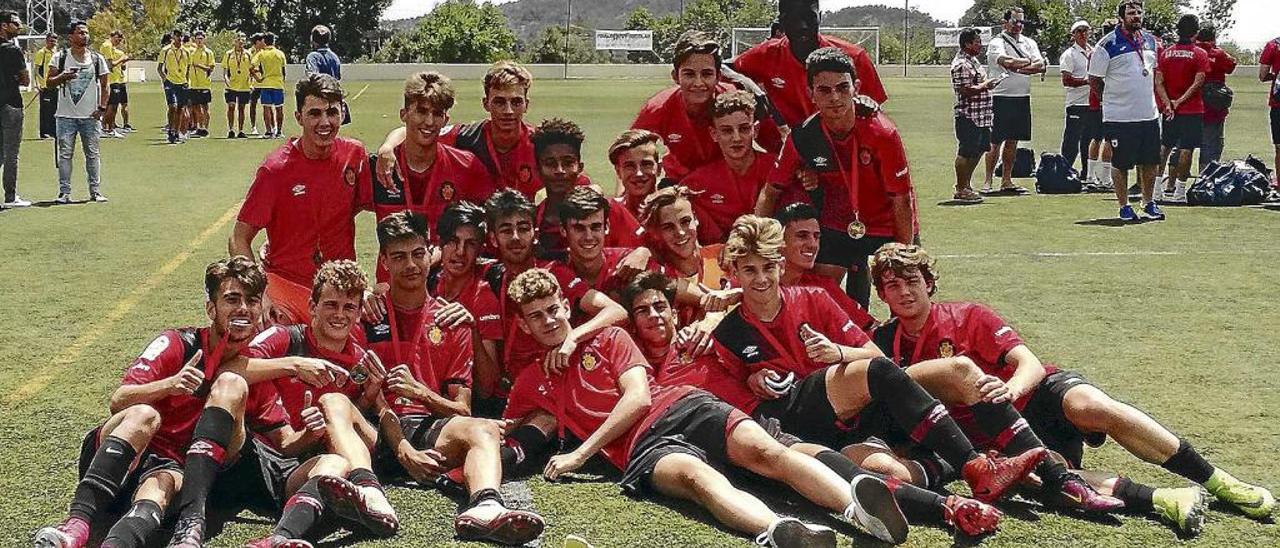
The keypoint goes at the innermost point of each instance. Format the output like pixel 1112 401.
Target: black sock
pixel 1053 472
pixel 1136 496
pixel 526 444
pixel 918 504
pixel 135 527
pixel 914 410
pixel 1188 463
pixel 101 482
pixel 302 510
pixel 364 477
pixel 1009 432
pixel 204 457
pixel 840 464
pixel 483 495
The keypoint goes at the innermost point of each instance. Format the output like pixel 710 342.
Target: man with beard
pixel 728 187
pixel 681 114
pixel 1013 57
pixel 176 422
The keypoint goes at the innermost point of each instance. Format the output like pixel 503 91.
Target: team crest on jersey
pixel 779 83
pixel 299 189
pixel 717 199
pixel 382 330
pixel 674 138
pixel 946 349
pixel 349 175
pixel 447 191
pixel 864 156
pixel 751 351
pixel 435 335
pixel 590 362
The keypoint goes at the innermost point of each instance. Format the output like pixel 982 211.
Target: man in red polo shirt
pixel 1060 406
pixel 305 195
pixel 638 164
pixel 1180 72
pixel 665 439
pixel 853 168
pixel 1268 70
pixel 426 424
pixel 1221 64
pixel 778 66
pixel 681 114
pixel 728 187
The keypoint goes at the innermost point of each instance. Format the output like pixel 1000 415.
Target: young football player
pixel 728 187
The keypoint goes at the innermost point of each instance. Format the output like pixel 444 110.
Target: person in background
pixel 1099 148
pixel 1221 64
pixel 118 102
pixel 322 59
pixel 1013 58
pixel 255 92
pixel 200 94
pixel 1180 73
pixel 235 76
pixel 1074 65
pixel 269 67
pixel 1268 68
pixel 174 69
pixel 80 74
pixel 972 110
pixel 48 96
pixel 13 73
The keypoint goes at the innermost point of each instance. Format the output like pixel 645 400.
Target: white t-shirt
pixel 1127 66
pixel 78 98
pixel 1075 61
pixel 1014 85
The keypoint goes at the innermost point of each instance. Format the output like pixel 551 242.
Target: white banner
pixel 628 40
pixel 950 37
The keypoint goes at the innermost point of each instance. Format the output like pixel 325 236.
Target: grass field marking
pixel 118 312
pixel 1071 254
pixel 359 93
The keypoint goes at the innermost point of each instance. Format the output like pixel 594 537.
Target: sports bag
pixel 1056 176
pixel 1217 95
pixel 1236 183
pixel 1024 163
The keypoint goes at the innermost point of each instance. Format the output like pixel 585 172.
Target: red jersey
pixel 625 202
pixel 745 344
pixel 478 298
pixel 676 368
pixel 519 348
pixel 307 207
pixel 437 357
pixel 297 340
pixel 725 195
pixel 516 168
pixel 832 198
pixel 856 312
pixel 688 141
pixel 1271 57
pixel 1221 64
pixel 624 231
pixel 582 396
pixel 882 170
pixel 609 282
pixel 164 358
pixel 1179 64
pixel 454 176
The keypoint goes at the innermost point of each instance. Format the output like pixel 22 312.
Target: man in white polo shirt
pixel 1074 65
pixel 1012 59
pixel 1122 68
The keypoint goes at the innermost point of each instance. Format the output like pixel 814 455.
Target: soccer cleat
pixel 63 198
pixel 875 511
pixel 1251 500
pixel 1183 508
pixel 72 533
pixel 1153 211
pixel 188 533
pixel 1075 494
pixel 353 503
pixel 509 527
pixel 989 476
pixel 1127 215
pixel 793 533
pixel 971 517
pixel 173 138
pixel 277 541
pixel 129 128
pixel 253 130
pixel 266 135
pixel 98 197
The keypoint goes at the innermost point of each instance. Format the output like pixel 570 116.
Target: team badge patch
pixel 447 191
pixel 674 138
pixel 590 362
pixel 779 83
pixel 435 335
pixel 946 349
pixel 864 156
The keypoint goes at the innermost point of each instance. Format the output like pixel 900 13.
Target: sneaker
pixel 793 533
pixel 128 128
pixel 1179 195
pixel 989 476
pixel 875 511
pixel 203 132
pixel 173 138
pixel 63 199
pixel 1127 215
pixel 108 135
pixel 188 533
pixel 73 533
pixel 266 135
pixel 17 201
pixel 1014 189
pixel 492 522
pixel 253 130
pixel 1153 211
pixel 1183 508
pixel 968 196
pixel 1075 494
pixel 98 197
pixel 350 502
pixel 1251 500
pixel 277 541
pixel 452 483
pixel 241 135
pixel 971 517
pixel 231 135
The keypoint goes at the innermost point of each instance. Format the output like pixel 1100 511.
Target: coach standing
pixel 1013 58
pixel 973 112
pixel 1074 65
pixel 13 73
pixel 1122 69
pixel 1268 69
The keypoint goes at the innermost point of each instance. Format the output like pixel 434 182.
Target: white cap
pixel 1079 25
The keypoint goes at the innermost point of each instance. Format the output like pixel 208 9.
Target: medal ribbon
pixel 786 351
pixel 850 178
pixel 924 335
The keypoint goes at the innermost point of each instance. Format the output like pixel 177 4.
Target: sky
pixel 1255 22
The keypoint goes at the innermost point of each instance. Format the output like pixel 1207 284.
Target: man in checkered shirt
pixel 973 111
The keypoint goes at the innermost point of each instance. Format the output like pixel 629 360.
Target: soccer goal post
pixel 867 37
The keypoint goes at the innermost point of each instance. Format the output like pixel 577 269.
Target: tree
pixel 1219 13
pixel 143 24
pixel 456 31
pixel 292 20
pixel 550 47
pixel 717 17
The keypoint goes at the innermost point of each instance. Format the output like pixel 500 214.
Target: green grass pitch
pixel 1178 317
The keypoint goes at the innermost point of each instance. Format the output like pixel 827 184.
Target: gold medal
pixel 856 230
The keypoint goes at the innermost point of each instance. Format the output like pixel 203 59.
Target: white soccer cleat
pixel 875 511
pixel 793 533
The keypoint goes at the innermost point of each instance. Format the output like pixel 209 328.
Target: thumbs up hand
pixel 818 347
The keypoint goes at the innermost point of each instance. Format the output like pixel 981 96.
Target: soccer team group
pixel 693 331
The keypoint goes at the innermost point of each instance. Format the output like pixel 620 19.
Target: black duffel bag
pixel 1056 176
pixel 1231 184
pixel 1217 95
pixel 1024 163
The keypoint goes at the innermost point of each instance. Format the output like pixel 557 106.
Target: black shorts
pixel 1275 126
pixel 1183 132
pixel 1012 120
pixel 199 96
pixel 698 425
pixel 148 463
pixel 255 94
pixel 234 97
pixel 261 474
pixel 119 95
pixel 1044 413
pixel 421 431
pixel 1133 143
pixel 1092 124
pixel 490 408
pixel 806 412
pixel 973 141
pixel 839 249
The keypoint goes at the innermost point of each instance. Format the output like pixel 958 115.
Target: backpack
pixel 1236 183
pixel 1217 95
pixel 1024 163
pixel 97 60
pixel 1056 176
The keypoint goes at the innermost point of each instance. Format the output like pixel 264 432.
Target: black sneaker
pixel 231 135
pixel 173 138
pixel 241 135
pixel 188 533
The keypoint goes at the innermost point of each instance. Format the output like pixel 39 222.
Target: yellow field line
pixel 359 93
pixel 121 309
